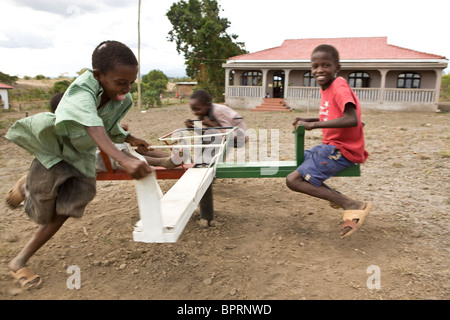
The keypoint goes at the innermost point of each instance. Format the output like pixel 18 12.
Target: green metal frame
pixel 275 169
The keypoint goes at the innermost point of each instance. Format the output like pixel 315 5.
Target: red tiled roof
pixel 349 49
pixel 5 86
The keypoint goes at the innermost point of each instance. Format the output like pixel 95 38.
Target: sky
pixel 57 37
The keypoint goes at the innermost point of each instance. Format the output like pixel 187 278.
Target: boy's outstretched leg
pixel 158 158
pixel 19 270
pixel 354 211
pixel 167 162
pixel 332 204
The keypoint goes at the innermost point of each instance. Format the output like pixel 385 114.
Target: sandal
pixel 350 215
pixel 16 195
pixel 27 278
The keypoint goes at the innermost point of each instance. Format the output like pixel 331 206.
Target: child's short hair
pixel 328 49
pixel 203 96
pixel 109 54
pixel 55 101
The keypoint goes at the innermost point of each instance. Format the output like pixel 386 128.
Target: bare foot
pixel 168 163
pixel 16 264
pixel 354 205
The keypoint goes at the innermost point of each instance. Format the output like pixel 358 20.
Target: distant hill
pixel 44 84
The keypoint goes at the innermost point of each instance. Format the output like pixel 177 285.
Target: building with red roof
pixel 384 76
pixel 4 99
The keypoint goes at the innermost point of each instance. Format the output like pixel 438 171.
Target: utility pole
pixel 139 57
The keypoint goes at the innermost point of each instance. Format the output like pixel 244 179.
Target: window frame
pixel 254 77
pixel 409 77
pixel 309 80
pixel 359 79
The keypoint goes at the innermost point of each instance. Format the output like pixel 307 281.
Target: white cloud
pixel 409 23
pixel 54 37
pixel 71 32
pixel 15 38
pixel 71 7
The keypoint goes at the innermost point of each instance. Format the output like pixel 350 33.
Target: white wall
pixel 5 99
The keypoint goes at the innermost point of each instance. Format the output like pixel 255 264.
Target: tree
pixel 153 85
pixel 61 86
pixel 155 80
pixel 200 34
pixel 82 71
pixel 6 78
pixel 445 88
pixel 150 98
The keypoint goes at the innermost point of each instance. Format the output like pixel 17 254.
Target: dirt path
pixel 266 241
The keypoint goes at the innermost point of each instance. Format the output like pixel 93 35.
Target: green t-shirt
pixel 52 138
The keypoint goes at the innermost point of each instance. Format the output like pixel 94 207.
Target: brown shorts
pixel 60 190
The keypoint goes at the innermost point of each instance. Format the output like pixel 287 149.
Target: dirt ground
pixel 266 242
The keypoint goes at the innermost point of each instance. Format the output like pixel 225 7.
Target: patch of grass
pixel 107 240
pixel 444 153
pixel 6 123
pixel 423 157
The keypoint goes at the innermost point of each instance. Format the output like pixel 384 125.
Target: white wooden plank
pixel 163 219
pixel 182 199
pixel 148 195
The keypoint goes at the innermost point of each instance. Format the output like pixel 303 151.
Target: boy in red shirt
pixel 343 140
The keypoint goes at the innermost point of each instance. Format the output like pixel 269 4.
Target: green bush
pixel 155 80
pixel 61 86
pixel 6 78
pixel 445 88
pixel 151 98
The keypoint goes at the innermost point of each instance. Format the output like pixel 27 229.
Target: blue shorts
pixel 321 163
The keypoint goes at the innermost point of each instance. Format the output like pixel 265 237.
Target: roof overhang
pixel 342 60
pixel 369 63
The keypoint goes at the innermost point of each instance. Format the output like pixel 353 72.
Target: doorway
pixel 278 84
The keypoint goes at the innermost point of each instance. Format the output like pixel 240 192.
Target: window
pixel 359 80
pixel 252 78
pixel 231 79
pixel 408 80
pixel 309 80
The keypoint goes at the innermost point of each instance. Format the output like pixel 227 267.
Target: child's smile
pixel 323 68
pixel 118 82
pixel 199 109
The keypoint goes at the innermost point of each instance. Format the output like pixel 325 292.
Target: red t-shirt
pixel 350 141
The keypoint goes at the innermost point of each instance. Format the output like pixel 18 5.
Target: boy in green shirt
pixel 61 181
